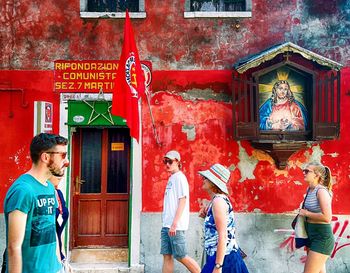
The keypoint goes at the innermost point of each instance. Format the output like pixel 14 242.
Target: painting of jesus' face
pixel 282 90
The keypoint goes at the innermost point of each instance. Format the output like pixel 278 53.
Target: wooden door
pixel 100 186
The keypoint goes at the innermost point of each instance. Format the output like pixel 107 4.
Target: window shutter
pixel 245 107
pixel 326 109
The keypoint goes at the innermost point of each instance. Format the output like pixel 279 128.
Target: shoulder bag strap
pixel 303 206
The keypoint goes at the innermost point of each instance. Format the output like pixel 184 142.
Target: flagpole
pixel 152 118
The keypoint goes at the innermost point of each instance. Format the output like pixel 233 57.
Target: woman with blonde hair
pixel 318 213
pixel 222 250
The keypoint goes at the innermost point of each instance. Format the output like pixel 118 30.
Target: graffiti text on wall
pixel 341 236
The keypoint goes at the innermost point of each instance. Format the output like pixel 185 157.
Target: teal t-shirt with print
pixel 38 201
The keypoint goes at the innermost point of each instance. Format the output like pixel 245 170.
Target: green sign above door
pixel 92 113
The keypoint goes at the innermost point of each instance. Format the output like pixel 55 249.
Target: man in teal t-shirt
pixel 30 209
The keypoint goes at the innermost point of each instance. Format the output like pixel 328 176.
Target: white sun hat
pixel 173 155
pixel 218 175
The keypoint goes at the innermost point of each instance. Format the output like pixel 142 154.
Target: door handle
pixel 78 182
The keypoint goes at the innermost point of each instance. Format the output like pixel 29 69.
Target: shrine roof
pixel 255 60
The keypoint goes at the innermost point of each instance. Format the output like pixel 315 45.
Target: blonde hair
pixel 324 173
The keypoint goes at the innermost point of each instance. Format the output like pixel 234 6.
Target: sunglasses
pixel 63 154
pixel 306 171
pixel 168 161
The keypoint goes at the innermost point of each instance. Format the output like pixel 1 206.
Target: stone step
pixel 99 255
pixel 105 268
pixel 99 268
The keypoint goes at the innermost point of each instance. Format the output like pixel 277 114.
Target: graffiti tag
pixel 339 231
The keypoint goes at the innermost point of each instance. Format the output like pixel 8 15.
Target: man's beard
pixel 55 171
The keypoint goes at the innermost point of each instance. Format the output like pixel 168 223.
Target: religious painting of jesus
pixel 282 104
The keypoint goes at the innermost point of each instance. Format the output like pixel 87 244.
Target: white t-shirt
pixel 176 188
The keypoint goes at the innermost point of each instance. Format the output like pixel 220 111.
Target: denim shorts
pixel 173 245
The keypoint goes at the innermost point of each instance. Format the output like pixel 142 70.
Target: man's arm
pixel 179 211
pixel 16 230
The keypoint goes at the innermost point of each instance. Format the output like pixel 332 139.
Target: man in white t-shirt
pixel 175 217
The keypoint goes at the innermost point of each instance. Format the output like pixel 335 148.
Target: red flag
pixel 130 83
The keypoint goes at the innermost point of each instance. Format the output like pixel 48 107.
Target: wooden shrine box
pixel 285 97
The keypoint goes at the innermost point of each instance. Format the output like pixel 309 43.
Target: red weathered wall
pixel 35 33
pixel 17 130
pixel 268 189
pixel 193 114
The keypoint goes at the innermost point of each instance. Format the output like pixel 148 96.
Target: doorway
pixel 100 187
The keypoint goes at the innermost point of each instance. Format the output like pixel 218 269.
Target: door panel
pixel 89 223
pixel 91 153
pixel 118 171
pixel 116 213
pixel 101 171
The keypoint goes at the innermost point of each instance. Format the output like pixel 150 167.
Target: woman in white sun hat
pixel 222 250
